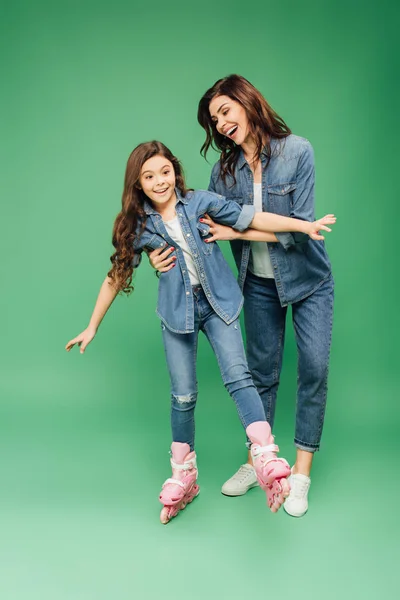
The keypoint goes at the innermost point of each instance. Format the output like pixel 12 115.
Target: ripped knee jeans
pixel 181 352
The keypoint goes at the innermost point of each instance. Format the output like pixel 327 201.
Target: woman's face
pixel 230 119
pixel 157 180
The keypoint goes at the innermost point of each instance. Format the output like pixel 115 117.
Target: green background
pixel 84 440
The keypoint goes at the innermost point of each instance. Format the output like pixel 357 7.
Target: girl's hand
pixel 161 259
pixel 313 229
pixel 83 339
pixel 219 232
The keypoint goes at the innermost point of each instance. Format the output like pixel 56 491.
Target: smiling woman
pixel 273 170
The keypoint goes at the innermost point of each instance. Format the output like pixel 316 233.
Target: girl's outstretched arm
pixel 105 298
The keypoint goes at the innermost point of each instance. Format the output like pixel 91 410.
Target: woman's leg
pixel 265 333
pixel 312 318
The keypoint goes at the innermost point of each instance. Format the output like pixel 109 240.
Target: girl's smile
pixel 157 180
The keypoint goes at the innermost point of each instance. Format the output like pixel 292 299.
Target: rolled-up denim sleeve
pixel 228 212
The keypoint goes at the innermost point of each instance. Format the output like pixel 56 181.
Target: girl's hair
pixel 264 123
pixel 131 220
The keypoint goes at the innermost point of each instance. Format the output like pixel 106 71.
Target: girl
pixel 200 294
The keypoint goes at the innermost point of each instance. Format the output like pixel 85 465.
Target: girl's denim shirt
pixel 300 264
pixel 175 305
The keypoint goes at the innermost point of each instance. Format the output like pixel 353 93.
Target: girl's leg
pixel 227 343
pixel 180 353
pixel 181 488
pixel 312 318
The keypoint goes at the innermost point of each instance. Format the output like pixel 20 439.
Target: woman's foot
pixel 272 472
pixel 296 504
pixel 240 483
pixel 181 488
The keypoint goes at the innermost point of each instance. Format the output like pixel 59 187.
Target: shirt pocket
pixel 154 242
pixel 204 231
pixel 280 198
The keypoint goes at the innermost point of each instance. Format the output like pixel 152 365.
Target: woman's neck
pixel 249 148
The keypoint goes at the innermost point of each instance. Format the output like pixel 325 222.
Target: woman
pixel 262 163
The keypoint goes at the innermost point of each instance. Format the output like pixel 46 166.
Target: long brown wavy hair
pixel 264 122
pixel 131 220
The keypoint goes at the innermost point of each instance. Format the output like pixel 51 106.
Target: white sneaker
pixel 296 505
pixel 240 483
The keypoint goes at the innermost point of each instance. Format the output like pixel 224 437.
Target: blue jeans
pixel 265 331
pixel 227 343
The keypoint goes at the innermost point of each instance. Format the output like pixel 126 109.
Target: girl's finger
pixel 207 221
pixel 324 228
pixel 213 238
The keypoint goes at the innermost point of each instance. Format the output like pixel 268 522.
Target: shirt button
pixel 188 234
pixel 183 271
pixel 195 255
pixel 187 293
pixel 202 275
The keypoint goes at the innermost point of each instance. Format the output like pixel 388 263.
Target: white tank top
pixel 262 266
pixel 174 231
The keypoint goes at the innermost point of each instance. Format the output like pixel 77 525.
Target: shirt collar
pixel 242 161
pixel 149 210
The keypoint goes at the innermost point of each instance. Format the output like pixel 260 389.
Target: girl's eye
pixel 148 176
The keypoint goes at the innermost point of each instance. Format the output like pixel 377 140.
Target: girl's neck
pixel 167 210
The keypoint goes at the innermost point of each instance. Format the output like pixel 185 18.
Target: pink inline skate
pixel 271 471
pixel 181 488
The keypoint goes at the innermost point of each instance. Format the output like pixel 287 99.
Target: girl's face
pixel 230 119
pixel 157 180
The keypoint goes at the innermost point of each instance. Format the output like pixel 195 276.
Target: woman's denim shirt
pixel 300 264
pixel 175 305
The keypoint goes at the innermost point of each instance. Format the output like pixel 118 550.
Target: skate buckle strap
pixel 174 481
pixel 187 465
pixel 257 450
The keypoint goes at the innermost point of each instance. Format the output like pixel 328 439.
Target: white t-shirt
pixel 174 231
pixel 262 266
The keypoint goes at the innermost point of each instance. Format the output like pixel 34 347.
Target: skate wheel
pixel 164 515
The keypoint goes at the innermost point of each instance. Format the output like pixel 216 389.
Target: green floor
pixel 79 509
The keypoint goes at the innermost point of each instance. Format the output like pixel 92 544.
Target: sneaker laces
pixel 243 473
pixel 299 486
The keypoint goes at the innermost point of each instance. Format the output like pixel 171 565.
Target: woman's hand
pixel 313 229
pixel 161 259
pixel 83 339
pixel 219 232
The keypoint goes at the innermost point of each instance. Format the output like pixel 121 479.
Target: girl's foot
pixel 272 472
pixel 181 488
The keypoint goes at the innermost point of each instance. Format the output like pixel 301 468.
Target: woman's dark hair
pixel 264 122
pixel 131 220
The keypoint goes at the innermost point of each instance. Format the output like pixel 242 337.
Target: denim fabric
pixel 300 264
pixel 175 305
pixel 265 332
pixel 227 343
